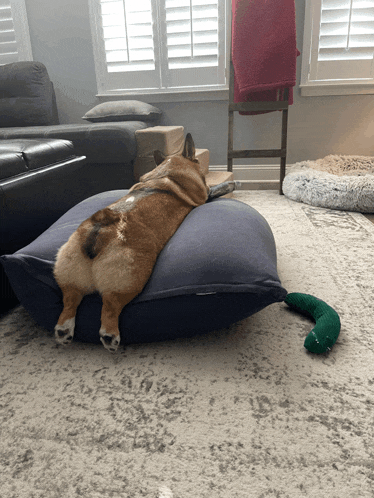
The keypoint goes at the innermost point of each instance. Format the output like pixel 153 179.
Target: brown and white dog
pixel 114 251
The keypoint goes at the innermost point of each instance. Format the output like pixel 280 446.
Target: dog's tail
pixel 95 238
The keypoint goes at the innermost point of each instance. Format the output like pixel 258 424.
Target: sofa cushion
pixel 218 268
pixel 37 153
pixel 26 95
pixel 11 164
pixel 123 110
pixel 99 142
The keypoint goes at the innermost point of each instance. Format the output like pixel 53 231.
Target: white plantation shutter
pixel 128 35
pixel 159 44
pixel 193 42
pixel 126 44
pixel 14 32
pixel 340 48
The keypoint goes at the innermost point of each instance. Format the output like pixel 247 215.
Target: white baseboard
pixel 254 177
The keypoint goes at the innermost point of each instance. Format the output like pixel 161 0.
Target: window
pixel 338 47
pixel 159 46
pixel 14 32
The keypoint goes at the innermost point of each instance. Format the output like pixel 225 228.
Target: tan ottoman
pixel 169 140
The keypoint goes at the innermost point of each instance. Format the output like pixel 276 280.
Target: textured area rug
pixel 242 412
pixel 334 182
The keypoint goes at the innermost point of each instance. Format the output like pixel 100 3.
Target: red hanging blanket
pixel 263 50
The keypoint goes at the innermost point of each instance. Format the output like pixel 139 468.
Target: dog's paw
pixel 64 333
pixel 110 341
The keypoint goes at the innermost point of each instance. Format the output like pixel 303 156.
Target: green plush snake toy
pixel 327 328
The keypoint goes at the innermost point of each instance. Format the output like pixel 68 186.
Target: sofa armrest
pixel 100 142
pixel 30 202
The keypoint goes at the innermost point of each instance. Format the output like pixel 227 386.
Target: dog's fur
pixel 114 251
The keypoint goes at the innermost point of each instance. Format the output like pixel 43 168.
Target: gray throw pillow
pixel 123 110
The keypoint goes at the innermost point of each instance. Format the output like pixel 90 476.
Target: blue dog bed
pixel 218 268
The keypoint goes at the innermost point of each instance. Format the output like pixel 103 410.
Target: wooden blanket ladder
pixel 257 106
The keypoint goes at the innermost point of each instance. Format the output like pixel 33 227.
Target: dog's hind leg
pixel 113 304
pixel 64 330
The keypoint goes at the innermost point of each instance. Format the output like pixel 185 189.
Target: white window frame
pixel 216 92
pixel 313 87
pixel 21 31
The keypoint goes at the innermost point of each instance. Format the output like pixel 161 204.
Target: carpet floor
pixel 244 412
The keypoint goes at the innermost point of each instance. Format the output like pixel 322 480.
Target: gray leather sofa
pixel 28 110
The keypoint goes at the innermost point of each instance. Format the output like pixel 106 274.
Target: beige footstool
pixel 169 140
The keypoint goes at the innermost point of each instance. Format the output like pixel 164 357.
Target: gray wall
pixel 61 39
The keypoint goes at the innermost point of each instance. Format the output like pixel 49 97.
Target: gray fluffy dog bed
pixel 334 182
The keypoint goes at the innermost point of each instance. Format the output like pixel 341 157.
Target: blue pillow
pixel 218 268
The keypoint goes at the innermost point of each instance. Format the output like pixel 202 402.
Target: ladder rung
pixel 257 153
pixel 258 106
